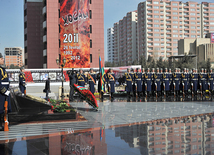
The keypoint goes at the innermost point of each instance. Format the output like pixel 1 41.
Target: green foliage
pixel 12 66
pixel 60 106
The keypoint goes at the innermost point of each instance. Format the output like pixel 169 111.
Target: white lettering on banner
pixel 69 38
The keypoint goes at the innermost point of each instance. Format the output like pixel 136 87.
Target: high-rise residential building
pixel 13 55
pixel 42 32
pixel 110 42
pixel 125 39
pixel 162 23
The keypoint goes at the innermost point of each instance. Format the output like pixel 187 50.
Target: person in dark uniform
pixel 185 81
pixel 143 81
pixel 148 81
pixel 166 82
pixel 22 84
pixel 92 80
pixel 133 84
pixel 111 82
pixel 170 81
pixel 47 88
pixel 153 83
pixel 138 78
pixel 176 82
pixel 81 79
pixel 4 88
pixel 73 78
pixel 128 78
pixel 157 81
pixel 211 80
pixel 194 82
pixel 203 81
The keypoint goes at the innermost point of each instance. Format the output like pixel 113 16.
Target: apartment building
pixel 42 32
pixel 125 39
pixel 161 23
pixel 110 42
pixel 13 55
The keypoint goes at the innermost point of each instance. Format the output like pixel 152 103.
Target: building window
pixel 90 43
pixel 90 28
pixel 25 49
pixel 90 14
pixel 155 2
pixel 25 37
pixel 25 12
pixel 90 58
pixel 90 1
pixel 25 61
pixel 45 59
pixel 25 25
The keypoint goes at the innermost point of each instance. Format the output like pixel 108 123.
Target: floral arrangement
pixel 87 95
pixel 60 106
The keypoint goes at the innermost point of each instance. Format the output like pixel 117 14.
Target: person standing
pixel 211 81
pixel 148 82
pixel 92 80
pixel 4 90
pixel 22 84
pixel 81 79
pixel 138 78
pixel 72 77
pixel 128 78
pixel 47 88
pixel 111 82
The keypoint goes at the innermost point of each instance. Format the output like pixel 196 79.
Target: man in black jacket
pixel 47 88
pixel 72 77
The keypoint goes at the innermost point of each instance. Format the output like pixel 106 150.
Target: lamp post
pixel 61 65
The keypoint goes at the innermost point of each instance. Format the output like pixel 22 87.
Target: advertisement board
pixel 212 37
pixel 75 33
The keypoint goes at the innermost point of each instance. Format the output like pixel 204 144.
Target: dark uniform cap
pixel 91 69
pixel 80 69
pixel 22 68
pixel 1 55
pixel 128 69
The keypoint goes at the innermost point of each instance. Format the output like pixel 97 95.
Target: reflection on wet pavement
pixel 192 136
pixel 119 127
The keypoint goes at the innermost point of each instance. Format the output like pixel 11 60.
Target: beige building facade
pixel 202 47
pixel 14 55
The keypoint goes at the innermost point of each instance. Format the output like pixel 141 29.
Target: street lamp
pixel 61 65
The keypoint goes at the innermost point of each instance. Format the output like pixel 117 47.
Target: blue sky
pixel 12 19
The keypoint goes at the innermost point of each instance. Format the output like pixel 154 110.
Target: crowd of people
pixel 152 82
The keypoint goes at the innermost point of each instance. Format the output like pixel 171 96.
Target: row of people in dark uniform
pixel 152 82
pixel 164 83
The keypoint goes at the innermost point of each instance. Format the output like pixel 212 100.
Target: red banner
pixel 75 33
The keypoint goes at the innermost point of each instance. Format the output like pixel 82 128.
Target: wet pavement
pixel 119 127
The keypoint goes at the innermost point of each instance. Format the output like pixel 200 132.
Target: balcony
pixel 45 52
pixel 44 10
pixel 44 24
pixel 44 38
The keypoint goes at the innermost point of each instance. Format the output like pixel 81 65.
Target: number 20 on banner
pixel 69 38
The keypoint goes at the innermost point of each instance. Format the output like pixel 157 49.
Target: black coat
pixel 47 85
pixel 72 78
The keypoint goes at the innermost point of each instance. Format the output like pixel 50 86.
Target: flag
pixel 101 74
